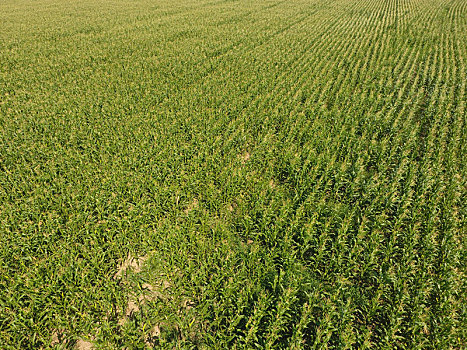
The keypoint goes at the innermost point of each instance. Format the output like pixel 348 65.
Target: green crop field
pixel 233 174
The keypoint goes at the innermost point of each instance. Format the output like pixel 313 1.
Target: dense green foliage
pixel 292 174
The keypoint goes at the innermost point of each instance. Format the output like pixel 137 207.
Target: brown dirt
pixel 84 345
pixel 244 157
pixel 191 206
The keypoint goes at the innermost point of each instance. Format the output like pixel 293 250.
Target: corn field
pixel 233 174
